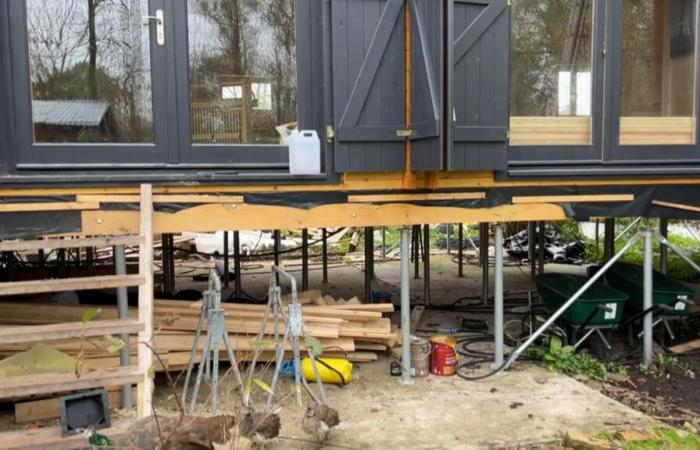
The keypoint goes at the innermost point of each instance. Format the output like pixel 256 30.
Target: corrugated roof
pixel 78 113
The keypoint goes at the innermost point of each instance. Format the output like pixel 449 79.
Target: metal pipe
pixel 123 313
pixel 324 254
pixel 237 280
pixel 383 242
pixel 405 310
pixel 648 339
pixel 460 252
pixel 663 251
pixel 532 249
pixel 627 228
pixel 498 300
pixel 426 264
pixel 678 251
pixel 553 318
pixel 484 255
pixel 226 268
pixel 449 239
pixel 305 259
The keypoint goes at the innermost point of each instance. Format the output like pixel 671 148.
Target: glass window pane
pixel 90 71
pixel 242 71
pixel 658 72
pixel 551 82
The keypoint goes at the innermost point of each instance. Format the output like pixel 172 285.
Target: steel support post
pixel 226 268
pixel 484 257
pixel 369 262
pixel 277 237
pixel 498 298
pixel 416 251
pixel 305 259
pixel 324 254
pixel 383 242
pixel 237 265
pixel 426 264
pixel 597 234
pixel 460 252
pixel 663 250
pixel 449 239
pixel 405 309
pixel 532 248
pixel 541 244
pixel 648 327
pixel 123 313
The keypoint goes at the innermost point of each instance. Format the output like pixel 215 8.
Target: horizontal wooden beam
pixel 48 206
pixel 680 206
pixel 386 198
pixel 572 199
pixel 54 383
pixel 210 218
pixel 59 331
pixel 69 284
pixel 163 198
pixel 52 244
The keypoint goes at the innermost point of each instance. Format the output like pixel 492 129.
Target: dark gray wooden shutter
pixel 368 57
pixel 479 84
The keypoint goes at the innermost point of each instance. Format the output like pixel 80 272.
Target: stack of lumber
pixel 346 329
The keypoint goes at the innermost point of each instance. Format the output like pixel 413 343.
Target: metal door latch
pixel 159 19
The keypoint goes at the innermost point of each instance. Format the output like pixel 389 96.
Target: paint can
pixel 443 355
pixel 420 357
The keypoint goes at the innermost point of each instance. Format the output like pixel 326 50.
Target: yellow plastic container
pixel 342 367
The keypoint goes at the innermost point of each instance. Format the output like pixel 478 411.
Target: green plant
pixel 667 439
pixel 664 363
pixel 564 359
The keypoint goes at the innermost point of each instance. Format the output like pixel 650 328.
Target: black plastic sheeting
pixel 25 225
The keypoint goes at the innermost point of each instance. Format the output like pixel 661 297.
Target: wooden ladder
pixel 20 386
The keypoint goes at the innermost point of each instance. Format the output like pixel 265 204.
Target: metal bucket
pixel 420 357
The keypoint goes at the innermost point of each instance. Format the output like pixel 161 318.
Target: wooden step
pixel 69 284
pixel 53 383
pixel 52 244
pixel 50 437
pixel 60 331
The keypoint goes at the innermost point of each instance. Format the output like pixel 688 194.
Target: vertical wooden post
pixel 145 358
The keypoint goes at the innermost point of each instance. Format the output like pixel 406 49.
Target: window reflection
pixel 658 72
pixel 90 71
pixel 551 63
pixel 242 70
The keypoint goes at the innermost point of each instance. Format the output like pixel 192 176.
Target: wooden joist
pixel 69 284
pixel 52 383
pixel 680 206
pixel 59 331
pixel 385 198
pixel 52 244
pixel 48 206
pixel 162 198
pixel 49 408
pixel 573 199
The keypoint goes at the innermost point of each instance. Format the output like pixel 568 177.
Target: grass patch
pixel 667 439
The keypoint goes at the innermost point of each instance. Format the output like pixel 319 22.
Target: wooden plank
pixel 573 199
pixel 50 438
pixel 49 408
pixel 145 358
pixel 210 218
pixel 70 284
pixel 551 130
pixel 384 198
pixel 680 206
pixel 375 307
pixel 686 347
pixel 174 198
pixel 48 206
pixel 59 331
pixel 657 130
pixel 52 244
pixel 53 383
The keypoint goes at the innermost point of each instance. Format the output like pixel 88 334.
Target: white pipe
pixel 405 309
pixel 648 298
